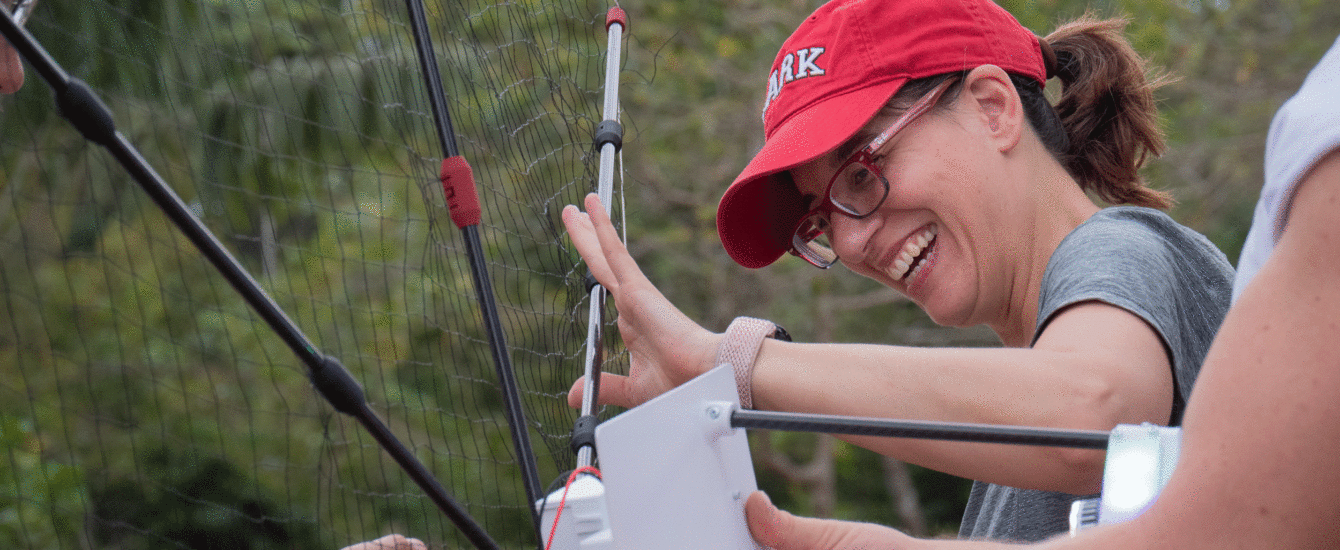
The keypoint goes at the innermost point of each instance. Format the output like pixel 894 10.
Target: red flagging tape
pixel 616 15
pixel 563 501
pixel 458 184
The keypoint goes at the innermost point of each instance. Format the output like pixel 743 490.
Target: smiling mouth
pixel 907 265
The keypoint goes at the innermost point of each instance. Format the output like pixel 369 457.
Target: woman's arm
pixel 1094 367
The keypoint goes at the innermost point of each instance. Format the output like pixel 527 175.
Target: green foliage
pixel 199 502
pixel 299 133
pixel 41 501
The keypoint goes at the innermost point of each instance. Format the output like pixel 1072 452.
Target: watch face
pixel 780 334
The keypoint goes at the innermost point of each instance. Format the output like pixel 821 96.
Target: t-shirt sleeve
pixel 1141 261
pixel 1304 130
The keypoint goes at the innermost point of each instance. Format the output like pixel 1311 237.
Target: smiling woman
pixel 911 141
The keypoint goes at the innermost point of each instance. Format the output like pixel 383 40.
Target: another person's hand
pixel 11 68
pixel 779 530
pixel 389 542
pixel 666 347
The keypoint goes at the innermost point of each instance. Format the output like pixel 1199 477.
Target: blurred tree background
pixel 141 404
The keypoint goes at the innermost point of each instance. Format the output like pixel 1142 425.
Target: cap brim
pixel 758 212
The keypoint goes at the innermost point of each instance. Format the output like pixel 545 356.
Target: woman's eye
pixel 859 179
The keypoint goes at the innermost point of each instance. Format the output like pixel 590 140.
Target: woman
pixel 910 140
pixel 1270 377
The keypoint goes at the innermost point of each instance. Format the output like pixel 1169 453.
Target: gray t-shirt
pixel 1142 261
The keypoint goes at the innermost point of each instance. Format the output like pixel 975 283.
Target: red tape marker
pixel 616 15
pixel 458 184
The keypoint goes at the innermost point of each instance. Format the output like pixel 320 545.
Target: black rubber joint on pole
pixel 584 432
pixel 337 386
pixel 79 105
pixel 590 281
pixel 609 131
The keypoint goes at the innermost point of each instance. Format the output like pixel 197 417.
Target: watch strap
pixel 739 349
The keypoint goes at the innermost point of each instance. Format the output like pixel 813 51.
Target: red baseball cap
pixel 832 76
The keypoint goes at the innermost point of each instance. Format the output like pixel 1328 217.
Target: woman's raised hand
pixel 665 347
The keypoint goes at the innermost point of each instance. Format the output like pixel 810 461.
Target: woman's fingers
pixel 666 348
pixel 583 236
pixel 779 530
pixel 620 262
pixel 615 390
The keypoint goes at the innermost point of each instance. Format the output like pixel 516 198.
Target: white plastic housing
pixel 584 523
pixel 676 474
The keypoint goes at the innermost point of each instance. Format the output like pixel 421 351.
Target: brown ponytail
pixel 1106 110
pixel 1106 123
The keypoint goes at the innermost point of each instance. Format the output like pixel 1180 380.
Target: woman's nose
pixel 850 235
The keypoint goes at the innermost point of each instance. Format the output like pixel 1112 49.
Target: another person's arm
pixel 1260 461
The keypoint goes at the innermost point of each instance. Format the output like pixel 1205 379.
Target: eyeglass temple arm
pixel 921 105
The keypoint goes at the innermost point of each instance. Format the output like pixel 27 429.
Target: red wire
pixel 566 486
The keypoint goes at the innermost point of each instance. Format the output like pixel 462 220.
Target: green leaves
pixel 41 501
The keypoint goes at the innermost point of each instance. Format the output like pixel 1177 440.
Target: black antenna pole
pixel 463 202
pixel 920 429
pixel 82 107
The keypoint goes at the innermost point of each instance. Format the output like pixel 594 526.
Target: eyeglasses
pixel 857 189
pixel 20 9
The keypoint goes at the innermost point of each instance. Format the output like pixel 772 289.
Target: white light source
pixel 1140 459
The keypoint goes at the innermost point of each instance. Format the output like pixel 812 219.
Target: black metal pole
pixel 516 415
pixel 81 106
pixel 948 431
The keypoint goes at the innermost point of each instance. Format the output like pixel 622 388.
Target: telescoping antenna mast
pixel 86 112
pixel 586 525
pixel 609 139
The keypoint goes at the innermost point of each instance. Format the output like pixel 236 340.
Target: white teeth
pixel 915 271
pixel 910 251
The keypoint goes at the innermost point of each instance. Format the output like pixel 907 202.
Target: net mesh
pixel 144 405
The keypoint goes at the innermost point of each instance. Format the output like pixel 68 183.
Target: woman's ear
pixel 995 102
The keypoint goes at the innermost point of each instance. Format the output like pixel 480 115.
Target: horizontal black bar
pixel 921 429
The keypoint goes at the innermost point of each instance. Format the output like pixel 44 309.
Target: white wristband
pixel 739 348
